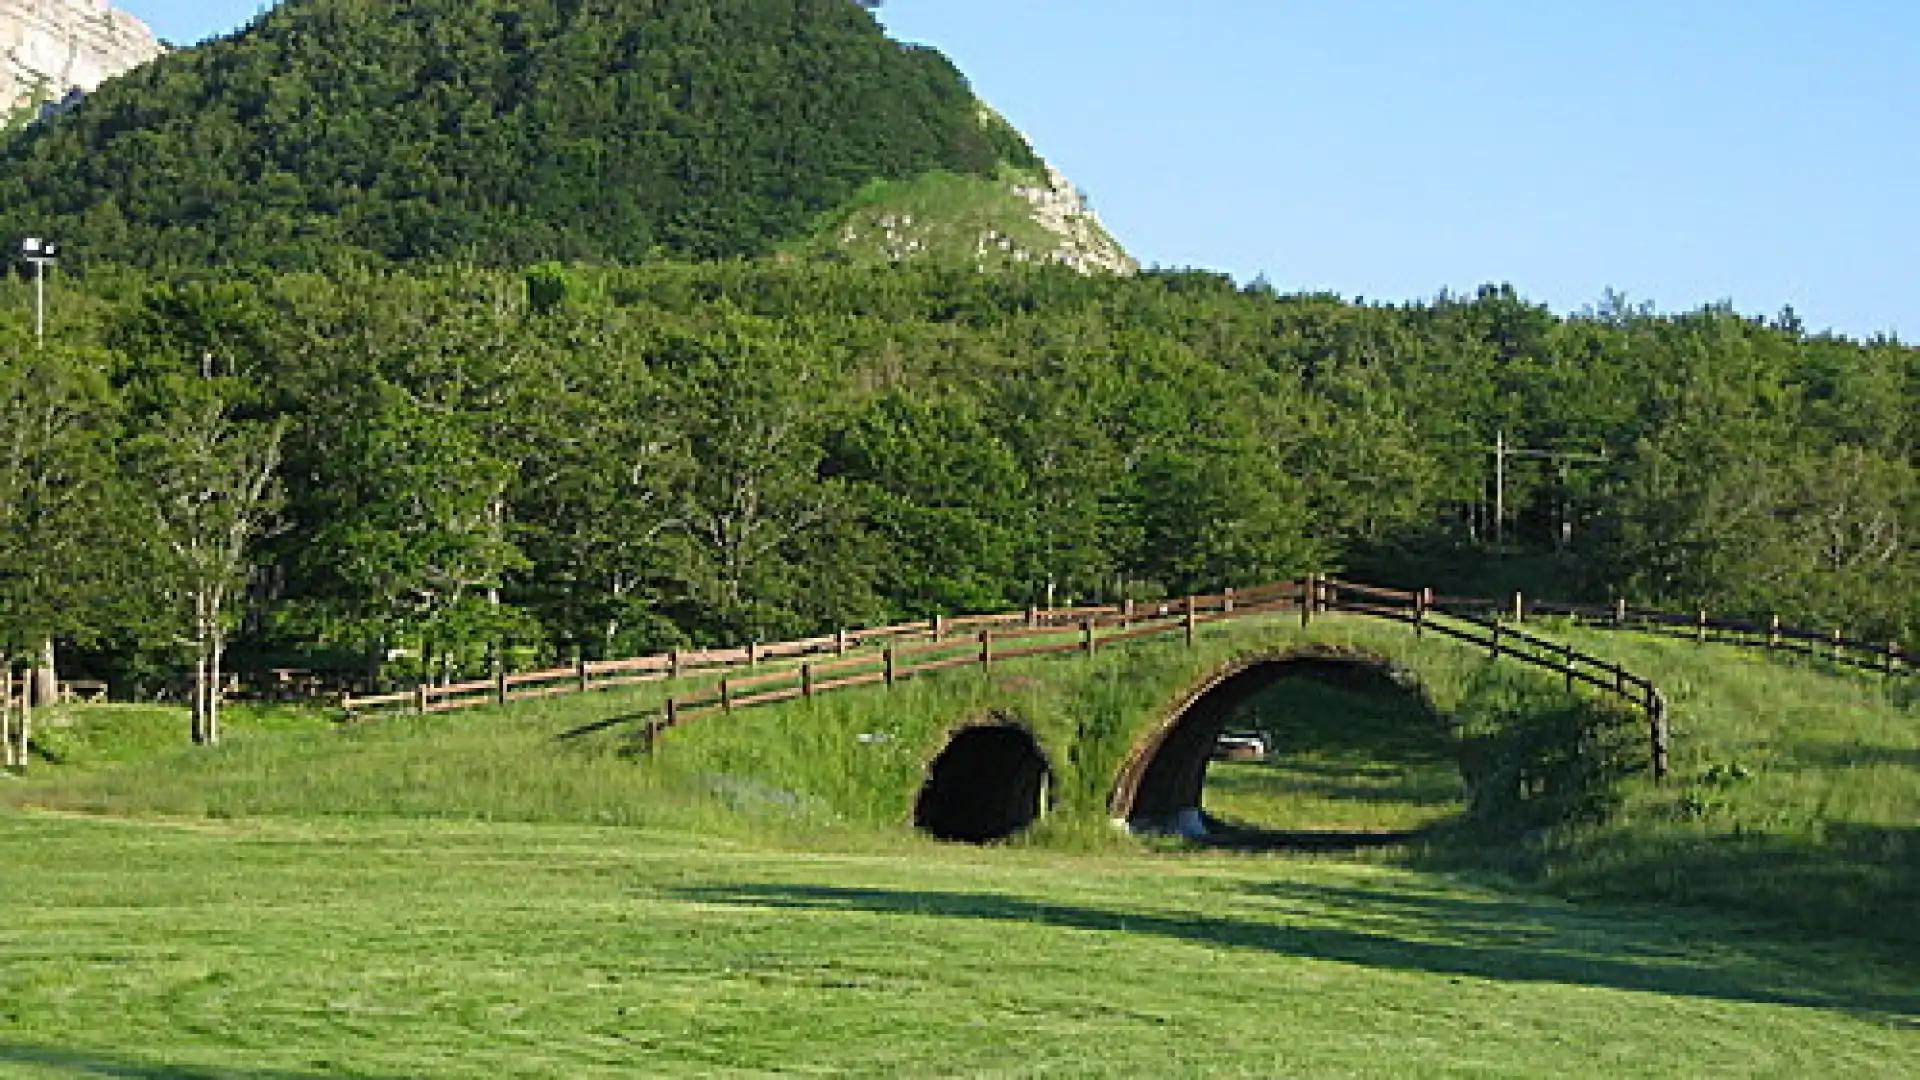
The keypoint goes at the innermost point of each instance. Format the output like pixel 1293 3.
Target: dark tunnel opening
pixel 988 784
pixel 1347 752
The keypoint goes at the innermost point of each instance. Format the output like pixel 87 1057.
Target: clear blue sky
pixel 1679 151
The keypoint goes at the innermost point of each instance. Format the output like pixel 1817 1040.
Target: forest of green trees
pixel 413 472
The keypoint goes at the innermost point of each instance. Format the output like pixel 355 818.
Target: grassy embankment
pixel 766 908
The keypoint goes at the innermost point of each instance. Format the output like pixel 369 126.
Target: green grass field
pixel 467 895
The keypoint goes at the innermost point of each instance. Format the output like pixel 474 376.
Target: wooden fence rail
pixel 886 656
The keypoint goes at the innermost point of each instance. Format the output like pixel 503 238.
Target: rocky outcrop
pixel 51 49
pixel 1084 243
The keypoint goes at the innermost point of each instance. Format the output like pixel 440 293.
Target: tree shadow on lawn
pixel 1499 940
pixel 118 1068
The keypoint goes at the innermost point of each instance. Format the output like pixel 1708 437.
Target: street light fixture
pixel 41 253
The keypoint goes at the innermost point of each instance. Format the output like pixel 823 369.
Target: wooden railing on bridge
pixel 804 669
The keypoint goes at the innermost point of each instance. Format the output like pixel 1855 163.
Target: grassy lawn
pixel 281 948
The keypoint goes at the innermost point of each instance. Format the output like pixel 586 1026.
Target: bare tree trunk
pixel 46 678
pixel 26 729
pixel 6 714
pixel 217 648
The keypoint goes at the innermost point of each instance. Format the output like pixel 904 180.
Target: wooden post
pixel 840 642
pixel 726 695
pixel 420 698
pixel 1309 589
pixel 939 628
pixel 1126 614
pixel 1086 636
pixel 1569 666
pixel 1033 618
pixel 1837 641
pixel 500 684
pixel 673 712
pixel 986 648
pixel 806 680
pixel 1420 613
pixel 886 655
pixel 1893 657
pixel 581 673
pixel 1493 643
pixel 1519 609
pixel 1620 613
pixel 753 654
pixel 1226 601
pixel 1620 680
pixel 6 714
pixel 1773 632
pixel 673 663
pixel 24 759
pixel 1193 623
pixel 1658 733
pixel 1700 628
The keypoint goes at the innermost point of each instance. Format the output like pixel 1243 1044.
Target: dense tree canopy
pixel 618 460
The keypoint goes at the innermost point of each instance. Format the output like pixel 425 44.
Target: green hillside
pixel 500 132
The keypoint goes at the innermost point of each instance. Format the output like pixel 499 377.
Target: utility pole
pixel 42 253
pixel 1502 450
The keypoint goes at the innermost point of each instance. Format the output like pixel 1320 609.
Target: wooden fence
pixel 1886 658
pixel 884 656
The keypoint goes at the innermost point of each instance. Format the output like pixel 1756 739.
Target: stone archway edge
pixel 760 674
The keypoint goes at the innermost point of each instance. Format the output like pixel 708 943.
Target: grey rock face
pixel 50 49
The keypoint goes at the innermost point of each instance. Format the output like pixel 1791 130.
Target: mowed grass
pixel 473 895
pixel 279 948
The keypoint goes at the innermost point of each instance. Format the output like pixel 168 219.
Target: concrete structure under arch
pixel 1159 786
pixel 989 783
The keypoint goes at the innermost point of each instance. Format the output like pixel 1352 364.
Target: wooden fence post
pixel 840 642
pixel 1773 632
pixel 6 714
pixel 24 759
pixel 673 663
pixel 1033 617
pixel 1893 657
pixel 500 684
pixel 1837 640
pixel 1519 608
pixel 806 680
pixel 420 698
pixel 939 628
pixel 1226 602
pixel 1620 613
pixel 1192 623
pixel 1420 613
pixel 1658 732
pixel 1700 628
pixel 986 648
pixel 1309 589
pixel 673 712
pixel 726 695
pixel 581 673
pixel 886 656
pixel 753 654
pixel 1086 636
pixel 1126 614
pixel 1568 654
pixel 1493 642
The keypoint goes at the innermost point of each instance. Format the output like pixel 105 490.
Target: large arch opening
pixel 988 784
pixel 1319 748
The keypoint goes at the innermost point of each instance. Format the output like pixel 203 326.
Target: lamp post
pixel 41 253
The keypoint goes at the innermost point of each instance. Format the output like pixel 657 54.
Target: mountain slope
pixel 500 132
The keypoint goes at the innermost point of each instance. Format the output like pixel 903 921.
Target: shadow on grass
pixel 1851 881
pixel 1504 941
pixel 75 1063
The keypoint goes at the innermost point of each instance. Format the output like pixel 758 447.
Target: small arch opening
pixel 988 784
